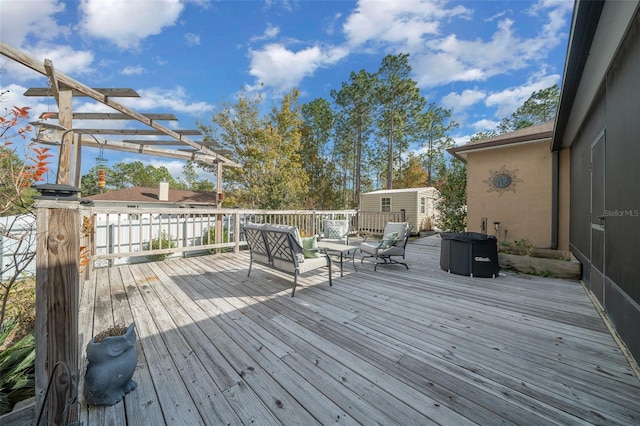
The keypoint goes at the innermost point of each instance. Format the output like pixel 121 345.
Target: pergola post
pixel 57 296
pixel 65 118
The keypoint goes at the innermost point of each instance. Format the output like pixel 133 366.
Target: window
pixel 385 204
pixel 423 205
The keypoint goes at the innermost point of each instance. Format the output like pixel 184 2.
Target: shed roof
pixel 401 190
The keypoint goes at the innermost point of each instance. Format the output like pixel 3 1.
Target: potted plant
pixel 112 360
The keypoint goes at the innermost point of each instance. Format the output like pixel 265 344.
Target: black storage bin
pixel 469 253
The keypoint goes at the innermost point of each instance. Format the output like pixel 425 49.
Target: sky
pixel 480 59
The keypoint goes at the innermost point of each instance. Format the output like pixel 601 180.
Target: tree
pixel 400 101
pixel 480 136
pixel 16 206
pixel 272 176
pixel 412 175
pixel 452 205
pixel 137 174
pixel 89 182
pixel 317 130
pixel 124 175
pixel 539 108
pixel 435 124
pixel 354 126
pixel 190 180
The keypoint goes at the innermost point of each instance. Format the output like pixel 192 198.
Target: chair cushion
pixel 334 232
pixel 310 247
pixel 389 239
pixel 312 264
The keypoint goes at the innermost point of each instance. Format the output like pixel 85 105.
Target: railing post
pixel 219 231
pixel 236 232
pixel 57 294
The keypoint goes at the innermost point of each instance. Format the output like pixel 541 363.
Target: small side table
pixel 342 249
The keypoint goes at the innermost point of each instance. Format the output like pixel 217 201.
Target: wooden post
pixel 65 118
pixel 57 294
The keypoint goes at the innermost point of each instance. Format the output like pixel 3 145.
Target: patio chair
pixel 392 245
pixel 336 231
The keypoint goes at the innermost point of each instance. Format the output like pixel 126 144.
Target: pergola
pixel 71 136
pixel 59 212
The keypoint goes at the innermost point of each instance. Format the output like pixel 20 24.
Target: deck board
pixel 396 346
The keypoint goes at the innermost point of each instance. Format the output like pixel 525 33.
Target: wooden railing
pixel 129 235
pixel 132 234
pixel 370 222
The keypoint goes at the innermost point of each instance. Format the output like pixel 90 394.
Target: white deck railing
pixel 130 235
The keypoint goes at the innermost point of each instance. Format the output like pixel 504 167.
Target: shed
pixel 419 205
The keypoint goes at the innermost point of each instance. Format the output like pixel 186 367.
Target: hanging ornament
pixel 101 160
pixel 102 182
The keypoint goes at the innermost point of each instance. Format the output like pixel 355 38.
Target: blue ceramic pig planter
pixel 112 362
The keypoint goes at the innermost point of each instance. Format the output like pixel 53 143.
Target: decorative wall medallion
pixel 502 180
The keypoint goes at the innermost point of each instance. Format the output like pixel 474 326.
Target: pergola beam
pixel 169 143
pixel 110 92
pixel 109 116
pixel 141 149
pixel 134 132
pixel 48 66
pixel 29 62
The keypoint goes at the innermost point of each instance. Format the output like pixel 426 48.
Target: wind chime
pixel 101 161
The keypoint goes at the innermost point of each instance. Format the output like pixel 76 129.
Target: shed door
pixel 598 216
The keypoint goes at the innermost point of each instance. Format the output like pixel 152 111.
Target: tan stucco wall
pixel 564 179
pixel 525 213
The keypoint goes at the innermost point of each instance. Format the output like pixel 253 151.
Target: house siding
pixel 605 150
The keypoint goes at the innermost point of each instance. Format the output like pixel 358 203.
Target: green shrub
pixel 209 237
pixel 17 379
pixel 158 243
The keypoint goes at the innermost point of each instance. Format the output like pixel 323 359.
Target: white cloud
pixel 402 22
pixel 279 68
pixel 461 139
pixel 509 100
pixel 452 59
pixel 485 125
pixel 459 102
pixel 270 33
pixel 133 70
pixel 176 99
pixel 19 19
pixel 192 39
pixel 449 58
pixel 113 21
pixel 64 58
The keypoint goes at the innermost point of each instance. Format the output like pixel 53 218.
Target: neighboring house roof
pixel 537 133
pixel 138 194
pixel 397 191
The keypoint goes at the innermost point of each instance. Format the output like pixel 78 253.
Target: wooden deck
pixel 402 347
